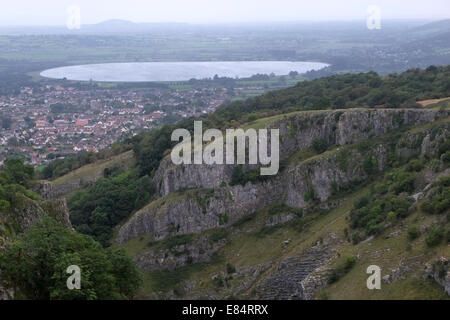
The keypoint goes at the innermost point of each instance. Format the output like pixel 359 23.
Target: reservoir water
pixel 177 71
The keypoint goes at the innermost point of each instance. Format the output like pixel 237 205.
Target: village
pixel 52 121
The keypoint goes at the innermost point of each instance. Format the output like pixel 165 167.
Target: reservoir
pixel 177 71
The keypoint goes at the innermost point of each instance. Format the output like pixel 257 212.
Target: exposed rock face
pixel 170 177
pixel 196 210
pixel 440 272
pixel 297 133
pixel 49 190
pixel 343 127
pixel 24 215
pixel 298 278
pixel 27 212
pixel 296 186
pixel 179 256
pixel 184 213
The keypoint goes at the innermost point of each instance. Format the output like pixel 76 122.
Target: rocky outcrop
pixel 179 256
pixel 299 185
pixel 193 211
pixel 170 177
pixel 440 272
pixel 341 127
pixel 298 278
pixel 297 132
pixel 50 190
pixel 25 213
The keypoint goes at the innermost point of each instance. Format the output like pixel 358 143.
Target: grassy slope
pixel 387 252
pixel 246 247
pixel 93 170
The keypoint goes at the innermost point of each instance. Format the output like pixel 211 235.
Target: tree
pixel 293 74
pixel 15 171
pixel 35 266
pixel 319 145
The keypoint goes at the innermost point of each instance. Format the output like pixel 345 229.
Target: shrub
pixel 414 165
pixel 391 216
pixel 218 282
pixel 440 201
pixel 361 202
pixel 223 218
pixel 278 208
pixel 251 117
pixel 319 145
pixel 404 182
pixel 444 181
pixel 230 269
pixel 413 233
pixel 218 235
pixel 342 269
pixel 310 194
pixel 370 213
pixel 356 237
pixel 427 207
pixel 370 165
pixel 265 231
pixel 446 157
pixel 435 236
pixel 172 242
pixel 4 205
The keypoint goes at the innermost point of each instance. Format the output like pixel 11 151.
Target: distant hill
pixel 440 26
pixel 125 26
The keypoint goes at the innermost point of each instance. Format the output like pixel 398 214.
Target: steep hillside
pixel 363 180
pixel 21 208
pixel 85 176
pixel 297 235
pixel 314 175
pixel 38 244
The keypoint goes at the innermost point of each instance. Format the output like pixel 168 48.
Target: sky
pixel 55 12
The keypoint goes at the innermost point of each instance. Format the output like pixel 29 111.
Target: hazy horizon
pixel 54 13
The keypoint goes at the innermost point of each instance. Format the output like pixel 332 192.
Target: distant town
pixel 52 121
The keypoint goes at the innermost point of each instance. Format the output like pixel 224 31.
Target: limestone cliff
pixel 297 131
pixel 299 185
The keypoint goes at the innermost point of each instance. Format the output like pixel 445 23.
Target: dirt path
pixel 425 103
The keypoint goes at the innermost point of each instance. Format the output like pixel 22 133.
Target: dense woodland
pixel 36 261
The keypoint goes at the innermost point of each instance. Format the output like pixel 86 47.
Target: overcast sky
pixel 54 12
